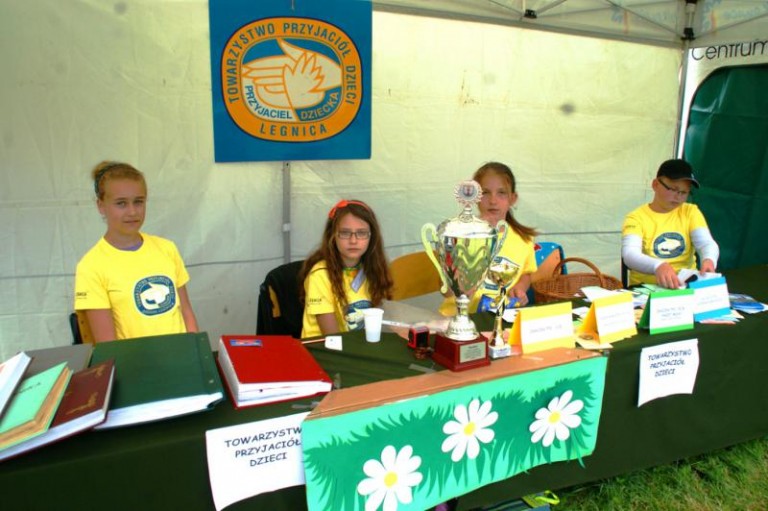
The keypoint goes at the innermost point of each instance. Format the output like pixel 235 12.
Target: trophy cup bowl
pixel 502 274
pixel 462 249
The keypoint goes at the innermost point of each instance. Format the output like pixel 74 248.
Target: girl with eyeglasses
pixel 346 274
pixel 130 284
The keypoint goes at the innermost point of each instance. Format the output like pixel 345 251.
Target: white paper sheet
pixel 668 369
pixel 254 458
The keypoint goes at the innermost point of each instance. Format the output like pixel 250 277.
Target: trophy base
pixel 499 352
pixel 460 355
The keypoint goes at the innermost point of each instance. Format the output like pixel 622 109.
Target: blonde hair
pixel 109 170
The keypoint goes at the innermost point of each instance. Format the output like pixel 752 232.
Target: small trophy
pixel 462 249
pixel 502 274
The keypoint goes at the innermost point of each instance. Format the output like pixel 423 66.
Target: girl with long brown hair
pixel 347 273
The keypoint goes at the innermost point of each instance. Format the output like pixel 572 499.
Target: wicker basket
pixel 567 287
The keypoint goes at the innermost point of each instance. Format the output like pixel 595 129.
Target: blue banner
pixel 291 79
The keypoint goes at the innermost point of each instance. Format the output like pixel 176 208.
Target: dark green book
pixel 159 377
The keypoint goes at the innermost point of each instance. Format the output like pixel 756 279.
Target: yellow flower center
pixel 390 479
pixel 554 417
pixel 469 429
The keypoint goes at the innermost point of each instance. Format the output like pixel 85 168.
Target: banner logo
pixel 291 79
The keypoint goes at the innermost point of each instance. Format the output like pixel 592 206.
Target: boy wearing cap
pixel 661 238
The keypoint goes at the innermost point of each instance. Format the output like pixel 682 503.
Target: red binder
pixel 261 369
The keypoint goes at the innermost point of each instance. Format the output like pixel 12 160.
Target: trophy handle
pixel 429 240
pixel 501 226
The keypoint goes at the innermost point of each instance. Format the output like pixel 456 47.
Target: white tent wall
pixel 85 81
pixel 583 122
pixel 658 22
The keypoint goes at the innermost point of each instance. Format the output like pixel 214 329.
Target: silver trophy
pixel 462 249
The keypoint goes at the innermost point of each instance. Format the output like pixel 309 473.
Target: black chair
pixel 76 337
pixel 81 331
pixel 280 312
pixel 624 274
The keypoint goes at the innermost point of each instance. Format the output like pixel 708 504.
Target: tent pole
pixel 688 36
pixel 286 211
pixel 681 113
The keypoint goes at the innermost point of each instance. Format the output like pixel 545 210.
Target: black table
pixel 163 465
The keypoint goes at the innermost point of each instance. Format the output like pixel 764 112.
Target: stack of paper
pixel 11 372
pixel 269 368
pixel 746 303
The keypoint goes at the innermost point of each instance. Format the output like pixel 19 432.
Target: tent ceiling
pixel 660 22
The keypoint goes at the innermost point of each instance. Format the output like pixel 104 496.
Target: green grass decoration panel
pixel 416 453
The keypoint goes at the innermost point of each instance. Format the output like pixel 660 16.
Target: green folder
pixel 159 377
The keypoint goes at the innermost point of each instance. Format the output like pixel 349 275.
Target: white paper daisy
pixel 390 480
pixel 469 429
pixel 556 420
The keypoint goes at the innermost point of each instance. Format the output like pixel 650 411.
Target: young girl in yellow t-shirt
pixel 347 273
pixel 499 196
pixel 130 284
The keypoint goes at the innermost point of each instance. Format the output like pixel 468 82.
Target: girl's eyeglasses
pixel 360 235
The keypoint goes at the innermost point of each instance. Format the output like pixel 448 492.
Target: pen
pixel 395 323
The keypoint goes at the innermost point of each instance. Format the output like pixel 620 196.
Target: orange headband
pixel 343 204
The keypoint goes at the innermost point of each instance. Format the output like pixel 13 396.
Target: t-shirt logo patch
pixel 669 245
pixel 154 295
pixel 354 314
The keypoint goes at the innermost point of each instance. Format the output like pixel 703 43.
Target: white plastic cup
pixel 372 318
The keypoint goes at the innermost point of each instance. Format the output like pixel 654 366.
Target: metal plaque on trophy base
pixel 460 355
pixel 462 249
pixel 499 352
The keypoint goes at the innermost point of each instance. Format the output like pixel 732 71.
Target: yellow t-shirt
pixel 666 236
pixel 321 300
pixel 140 287
pixel 516 250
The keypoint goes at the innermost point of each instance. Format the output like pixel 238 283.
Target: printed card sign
pixel 668 369
pixel 543 328
pixel 254 458
pixel 710 298
pixel 610 318
pixel 668 311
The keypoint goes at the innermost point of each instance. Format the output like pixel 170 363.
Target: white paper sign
pixel 711 298
pixel 671 311
pixel 258 457
pixel 668 369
